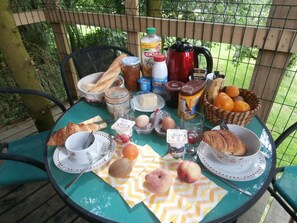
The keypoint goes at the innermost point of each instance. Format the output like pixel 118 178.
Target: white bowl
pixel 250 139
pixel 98 97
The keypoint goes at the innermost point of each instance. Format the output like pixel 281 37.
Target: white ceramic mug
pixel 74 147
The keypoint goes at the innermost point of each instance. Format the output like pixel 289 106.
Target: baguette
pixel 224 141
pixel 59 138
pixel 109 76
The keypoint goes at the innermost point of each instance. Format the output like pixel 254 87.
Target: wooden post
pixel 131 9
pixel 271 65
pixel 63 48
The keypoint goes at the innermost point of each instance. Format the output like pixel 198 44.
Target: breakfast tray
pixel 187 201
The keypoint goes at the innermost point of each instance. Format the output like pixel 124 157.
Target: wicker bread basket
pixel 215 114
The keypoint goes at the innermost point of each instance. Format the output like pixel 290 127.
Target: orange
pixel 241 106
pixel 232 91
pixel 223 101
pixel 130 151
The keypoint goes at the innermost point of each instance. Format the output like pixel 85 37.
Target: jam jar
pixel 189 96
pixel 117 99
pixel 172 91
pixel 131 72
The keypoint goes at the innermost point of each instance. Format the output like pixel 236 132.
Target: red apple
pixel 188 171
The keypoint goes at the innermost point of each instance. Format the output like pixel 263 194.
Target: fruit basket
pixel 215 115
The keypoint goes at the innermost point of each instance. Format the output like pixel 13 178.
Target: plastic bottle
pixel 159 74
pixel 150 46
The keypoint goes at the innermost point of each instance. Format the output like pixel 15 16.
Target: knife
pixel 227 182
pixel 104 121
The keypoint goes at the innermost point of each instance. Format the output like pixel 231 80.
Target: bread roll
pixel 225 141
pixel 59 138
pixel 109 76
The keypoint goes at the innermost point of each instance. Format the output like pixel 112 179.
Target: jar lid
pixel 159 57
pixel 117 95
pixel 192 87
pixel 130 61
pixel 174 86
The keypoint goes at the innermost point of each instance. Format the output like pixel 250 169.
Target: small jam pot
pixel 117 99
pixel 124 131
pixel 172 91
pixel 145 84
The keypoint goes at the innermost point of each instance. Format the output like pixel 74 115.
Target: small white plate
pixel 234 172
pixel 63 163
pixel 135 103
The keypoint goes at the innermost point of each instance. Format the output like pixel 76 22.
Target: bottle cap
pixel 159 58
pixel 150 30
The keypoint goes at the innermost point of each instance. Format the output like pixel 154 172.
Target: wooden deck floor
pixel 38 201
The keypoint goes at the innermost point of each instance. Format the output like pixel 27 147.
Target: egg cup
pixel 145 130
pixel 160 131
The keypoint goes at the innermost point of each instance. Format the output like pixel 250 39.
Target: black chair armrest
pixel 34 92
pixel 23 159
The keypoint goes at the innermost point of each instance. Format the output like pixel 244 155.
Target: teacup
pixel 77 154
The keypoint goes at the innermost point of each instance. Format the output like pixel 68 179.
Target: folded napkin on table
pixel 183 201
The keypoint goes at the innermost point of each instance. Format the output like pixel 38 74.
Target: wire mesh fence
pixel 252 42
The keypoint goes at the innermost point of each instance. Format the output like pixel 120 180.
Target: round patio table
pixel 95 200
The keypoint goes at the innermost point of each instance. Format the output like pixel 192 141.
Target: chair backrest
pixel 286 140
pixel 285 134
pixel 89 60
pixel 33 92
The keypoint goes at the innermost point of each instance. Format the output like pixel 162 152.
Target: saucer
pixel 135 103
pixel 234 172
pixel 62 161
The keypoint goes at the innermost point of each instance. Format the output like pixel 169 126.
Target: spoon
pixel 96 159
pixel 223 125
pixel 90 139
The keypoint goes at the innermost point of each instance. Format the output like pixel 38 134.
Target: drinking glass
pixel 127 114
pixel 193 123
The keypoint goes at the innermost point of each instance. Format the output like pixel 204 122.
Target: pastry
pixel 224 141
pixel 59 138
pixel 158 181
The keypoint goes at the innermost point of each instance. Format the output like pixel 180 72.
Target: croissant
pixel 59 138
pixel 224 141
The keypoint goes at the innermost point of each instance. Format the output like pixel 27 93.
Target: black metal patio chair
pixel 284 188
pixel 89 60
pixel 22 159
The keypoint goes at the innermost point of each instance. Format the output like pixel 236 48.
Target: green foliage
pixel 113 7
pixel 97 36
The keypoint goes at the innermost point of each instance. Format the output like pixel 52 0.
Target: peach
pixel 188 171
pixel 158 181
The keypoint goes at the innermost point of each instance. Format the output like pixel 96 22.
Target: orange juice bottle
pixel 150 45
